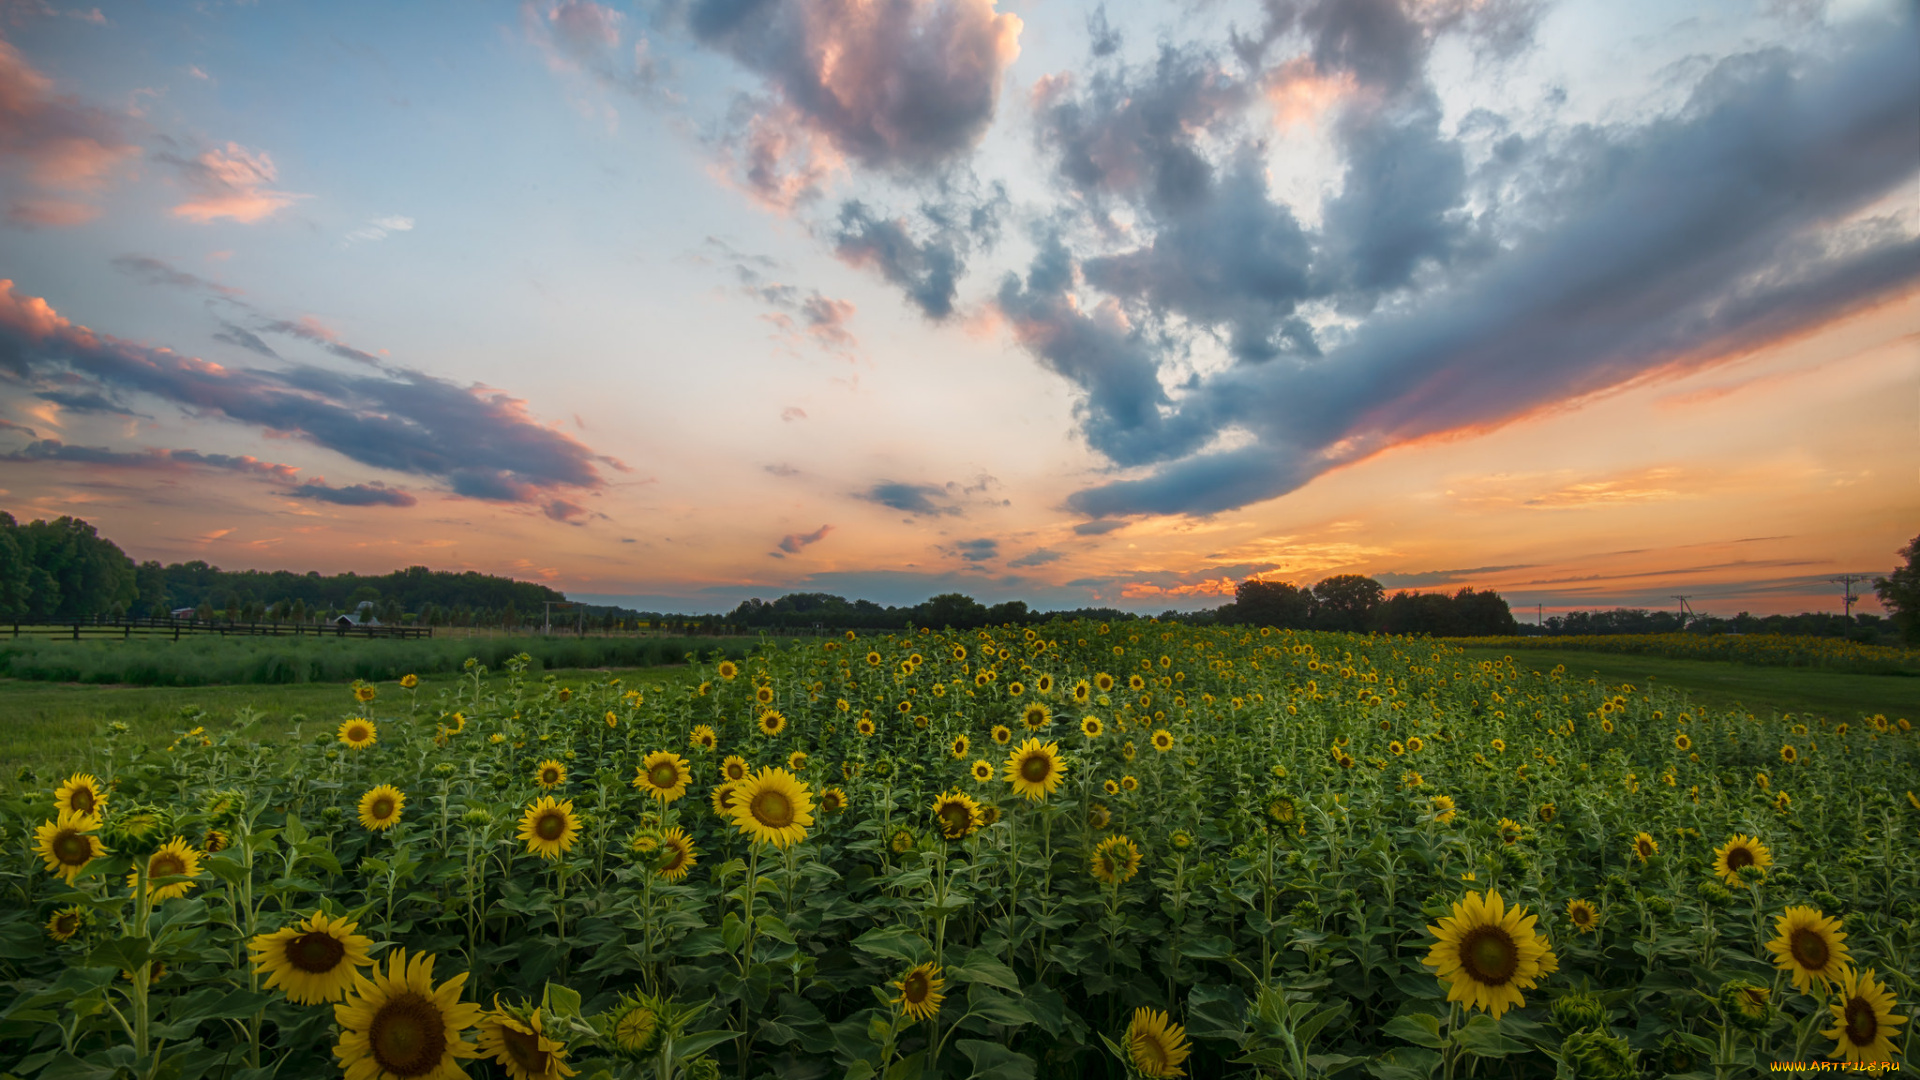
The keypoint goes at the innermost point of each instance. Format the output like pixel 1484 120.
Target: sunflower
pixel 65 923
pixel 1002 734
pixel 1737 854
pixel 959 747
pixel 763 694
pixel 396 1025
pixel 833 801
pixel 1583 915
pixel 955 815
pixel 1091 727
pixel 363 693
pixel 864 726
pixel 772 723
pixel 1443 809
pixel 1015 688
pixel 380 807
pixel 729 670
pixel 1035 770
pixel 67 844
pixel 1395 748
pixel 81 794
pixel 1546 813
pixel 1129 783
pixel 1044 684
pixel 358 734
pixel 1156 1045
pixel 677 855
pixel 551 774
pixel 1863 1019
pixel 1136 683
pixel 983 771
pixel 1510 831
pixel 549 827
pixel 1645 847
pixel 735 768
pixel 635 1027
pixel 1809 946
pixel 517 1040
pixel 1098 817
pixel 920 995
pixel 721 798
pixel 1111 787
pixel 796 761
pixel 1499 746
pixel 1487 953
pixel 1115 860
pixel 1761 779
pixel 1281 809
pixel 901 841
pixel 702 738
pixel 774 806
pixel 664 775
pixel 1081 692
pixel 1036 716
pixel 613 720
pixel 1415 744
pixel 1681 742
pixel 176 858
pixel 313 960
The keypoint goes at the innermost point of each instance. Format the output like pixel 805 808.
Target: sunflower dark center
pixel 382 808
pixel 1739 857
pixel 315 953
pixel 955 819
pixel 550 776
pixel 771 808
pixel 1582 916
pixel 1490 955
pixel 408 1036
pixel 72 848
pixel 673 857
pixel 915 987
pixel 524 1048
pixel 1862 1024
pixel 664 775
pixel 1035 768
pixel 1808 948
pixel 166 866
pixel 81 801
pixel 549 826
pixel 357 733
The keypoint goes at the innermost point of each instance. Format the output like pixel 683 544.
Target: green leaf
pixel 981 967
pixel 1405 1063
pixel 296 829
pixel 688 1047
pixel 771 926
pixel 1214 947
pixel 894 942
pixel 991 1061
pixel 859 1070
pixel 1482 1037
pixel 733 932
pixel 126 954
pixel 561 1001
pixel 1418 1029
pixel 996 1007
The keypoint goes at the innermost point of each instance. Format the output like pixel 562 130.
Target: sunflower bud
pixel 1575 1011
pixel 1747 1005
pixel 445 768
pixel 1827 900
pixel 476 819
pixel 1714 894
pixel 1596 1055
pixel 332 814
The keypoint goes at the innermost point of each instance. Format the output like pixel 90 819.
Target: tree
pixel 1270 603
pixel 16 573
pixel 76 574
pixel 1347 601
pixel 953 610
pixel 1900 592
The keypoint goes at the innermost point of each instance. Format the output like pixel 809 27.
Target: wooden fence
pixel 127 629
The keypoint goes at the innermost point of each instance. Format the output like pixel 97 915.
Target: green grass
pixel 62 727
pixel 1759 690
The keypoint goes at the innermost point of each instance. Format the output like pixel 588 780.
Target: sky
pixel 1593 302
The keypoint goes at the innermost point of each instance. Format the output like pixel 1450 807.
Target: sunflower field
pixel 1078 850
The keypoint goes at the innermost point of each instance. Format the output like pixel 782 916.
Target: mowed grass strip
pixel 62 727
pixel 1758 690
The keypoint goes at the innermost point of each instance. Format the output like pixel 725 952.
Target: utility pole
pixel 547 628
pixel 1539 615
pixel 1846 583
pixel 1687 614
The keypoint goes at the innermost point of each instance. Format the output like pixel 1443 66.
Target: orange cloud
pixel 1300 95
pixel 54 145
pixel 1140 590
pixel 232 183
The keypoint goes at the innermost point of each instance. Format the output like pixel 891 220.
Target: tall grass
pixel 208 661
pixel 1758 650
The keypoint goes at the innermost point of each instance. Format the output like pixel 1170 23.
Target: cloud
pixel 379 228
pixel 229 183
pixel 1036 557
pixel 901 85
pixel 580 36
pixel 1690 237
pixel 783 470
pixel 246 339
pixel 928 500
pixel 926 268
pixel 792 412
pixel 53 148
pixel 154 271
pixel 975 551
pixel 162 459
pixel 793 543
pixel 479 443
pixel 798 312
pixel 370 494
pixel 1393 579
pixel 1099 526
pixel 310 329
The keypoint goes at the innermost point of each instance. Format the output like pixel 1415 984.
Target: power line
pixel 1846 583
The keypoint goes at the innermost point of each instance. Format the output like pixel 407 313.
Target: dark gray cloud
pixel 315 332
pixel 1099 526
pixel 157 272
pixel 975 551
pixel 902 85
pixel 1399 203
pixel 794 543
pixel 1636 247
pixel 246 339
pixel 55 450
pixel 1427 578
pixel 927 267
pixel 372 494
pixel 1036 557
pixel 929 500
pixel 479 442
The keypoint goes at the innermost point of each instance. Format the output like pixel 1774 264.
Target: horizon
pixel 1589 304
